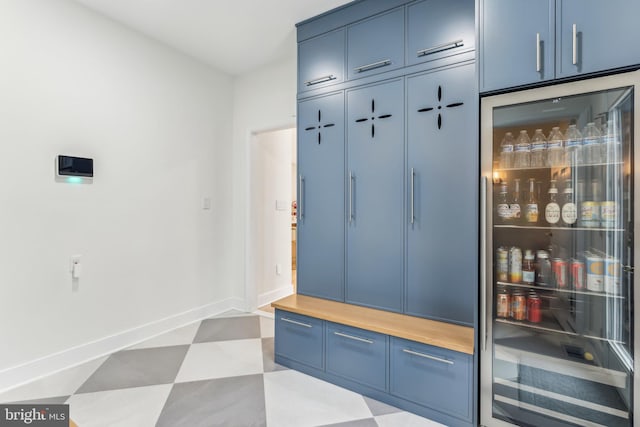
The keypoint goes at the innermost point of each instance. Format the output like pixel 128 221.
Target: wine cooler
pixel 558 329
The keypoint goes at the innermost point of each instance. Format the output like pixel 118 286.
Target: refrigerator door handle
pixel 301 201
pixel 483 263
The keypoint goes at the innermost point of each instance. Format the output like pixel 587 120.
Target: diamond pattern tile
pixel 217 372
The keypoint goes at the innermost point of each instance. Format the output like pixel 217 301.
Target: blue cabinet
pixel 442 166
pixel 376 45
pixel 321 60
pixel 594 36
pixel 529 41
pixel 516 42
pixel 432 376
pixel 439 28
pixel 375 195
pixel 300 338
pixel 357 354
pixel 321 210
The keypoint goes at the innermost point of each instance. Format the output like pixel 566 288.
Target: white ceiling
pixel 234 36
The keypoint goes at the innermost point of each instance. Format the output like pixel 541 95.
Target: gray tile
pixel 228 328
pixel 58 400
pixel 378 408
pixel 268 356
pixel 137 368
pixel 234 401
pixel 366 422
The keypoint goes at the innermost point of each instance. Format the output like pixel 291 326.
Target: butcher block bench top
pixel 439 334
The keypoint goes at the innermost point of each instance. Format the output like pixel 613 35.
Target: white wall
pixel 271 180
pixel 158 126
pixel 263 100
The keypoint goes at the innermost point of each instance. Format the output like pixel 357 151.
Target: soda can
pixel 519 306
pixel 503 304
pixel 608 214
pixel 559 268
pixel 502 264
pixel 590 214
pixel 595 273
pixel 577 274
pixel 534 310
pixel 612 269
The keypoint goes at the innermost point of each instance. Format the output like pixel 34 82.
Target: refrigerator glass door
pixel 558 324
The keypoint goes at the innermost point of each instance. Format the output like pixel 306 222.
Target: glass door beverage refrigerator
pixel 558 330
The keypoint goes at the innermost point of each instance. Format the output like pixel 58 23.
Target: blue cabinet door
pixel 442 193
pixel 432 376
pixel 516 42
pixel 299 338
pixel 357 354
pixel 376 45
pixel 606 35
pixel 439 28
pixel 375 195
pixel 321 60
pixel 321 214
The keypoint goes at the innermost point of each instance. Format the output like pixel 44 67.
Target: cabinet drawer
pixel 439 28
pixel 299 338
pixel 376 45
pixel 321 60
pixel 357 354
pixel 431 376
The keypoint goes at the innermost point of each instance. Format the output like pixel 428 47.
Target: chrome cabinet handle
pixel 306 325
pixel 350 196
pixel 413 175
pixel 440 48
pixel 301 201
pixel 319 80
pixel 372 66
pixel 483 262
pixel 428 356
pixel 574 36
pixel 351 337
pixel 538 60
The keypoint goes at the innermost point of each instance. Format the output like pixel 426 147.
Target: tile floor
pixel 217 372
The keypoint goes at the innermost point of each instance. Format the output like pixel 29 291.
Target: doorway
pixel 273 190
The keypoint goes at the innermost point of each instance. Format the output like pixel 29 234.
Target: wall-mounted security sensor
pixel 74 169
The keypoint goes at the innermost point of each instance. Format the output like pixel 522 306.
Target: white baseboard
pixel 276 294
pixel 47 365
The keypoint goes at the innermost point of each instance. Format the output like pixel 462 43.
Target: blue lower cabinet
pixel 431 376
pixel 300 338
pixel 357 354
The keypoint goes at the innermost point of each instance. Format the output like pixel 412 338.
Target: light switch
pixel 206 203
pixel 282 205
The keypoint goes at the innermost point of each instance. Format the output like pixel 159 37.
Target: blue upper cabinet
pixel 528 41
pixel 375 195
pixel 321 61
pixel 516 42
pixel 439 28
pixel 594 35
pixel 442 199
pixel 321 213
pixel 376 45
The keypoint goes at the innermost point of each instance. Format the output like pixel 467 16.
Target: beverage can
pixel 577 274
pixel 559 268
pixel 590 214
pixel 612 273
pixel 595 270
pixel 534 310
pixel 515 264
pixel 503 304
pixel 519 306
pixel 608 214
pixel 502 264
pixel 543 268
